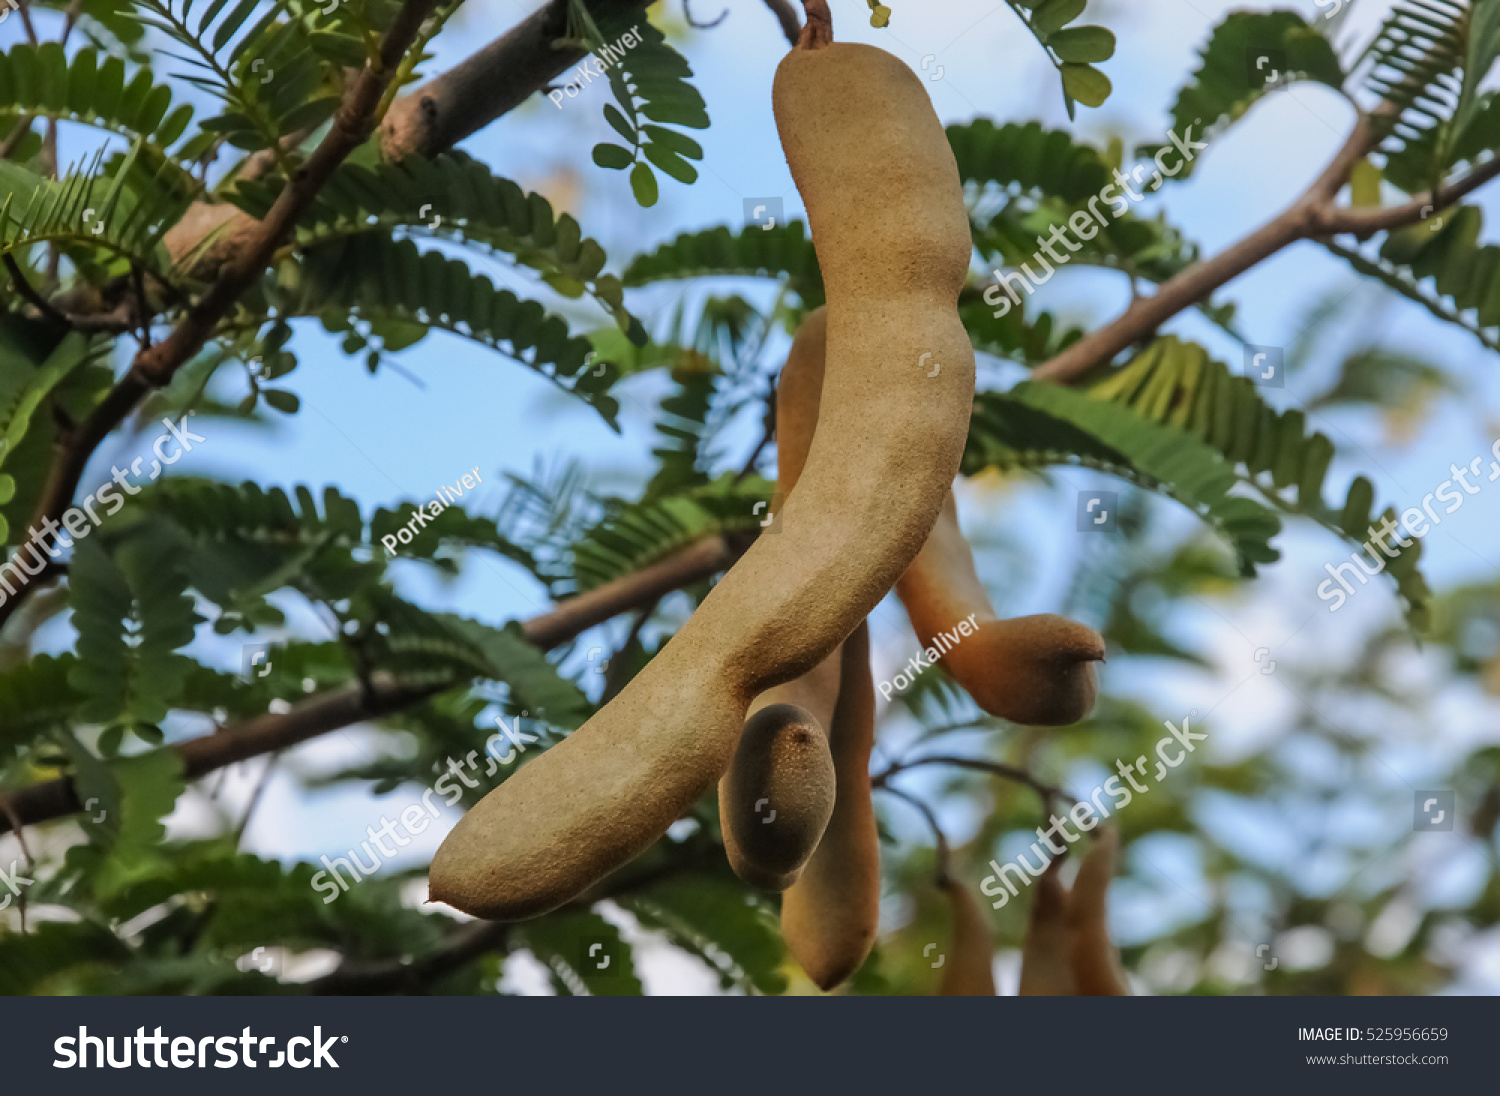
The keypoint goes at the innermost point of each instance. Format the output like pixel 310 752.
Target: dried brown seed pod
pixel 968 969
pixel 815 693
pixel 776 799
pixel 1037 670
pixel 1096 964
pixel 829 916
pixel 886 208
pixel 1047 954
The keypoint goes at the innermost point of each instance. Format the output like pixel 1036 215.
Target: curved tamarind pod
pixel 886 209
pixel 1037 670
pixel 1096 965
pixel 1046 956
pixel 776 799
pixel 816 692
pixel 969 970
pixel 830 914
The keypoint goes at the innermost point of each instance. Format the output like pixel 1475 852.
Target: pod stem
pixel 817 32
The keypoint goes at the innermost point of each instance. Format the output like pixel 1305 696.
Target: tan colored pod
pixel 830 915
pixel 776 800
pixel 1036 670
pixel 1096 964
pixel 968 969
pixel 816 692
pixel 889 224
pixel 1047 954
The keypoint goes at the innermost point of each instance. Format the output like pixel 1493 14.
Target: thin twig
pixel 687 11
pixel 786 15
pixel 944 872
pixel 994 768
pixel 29 294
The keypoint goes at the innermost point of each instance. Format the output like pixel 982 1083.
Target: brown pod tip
pixel 776 799
pixel 969 964
pixel 1038 670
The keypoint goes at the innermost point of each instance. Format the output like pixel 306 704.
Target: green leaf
pixel 284 401
pixel 1086 84
pixel 1051 16
pixel 613 157
pixel 643 185
pixel 1083 45
pixel 1228 83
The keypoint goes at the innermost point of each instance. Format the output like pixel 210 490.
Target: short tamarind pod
pixel 1037 670
pixel 776 799
pixel 1096 966
pixel 1046 955
pixel 829 916
pixel 891 231
pixel 969 968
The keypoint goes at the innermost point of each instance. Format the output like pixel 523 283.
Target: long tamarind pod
pixel 969 968
pixel 1046 956
pixel 830 914
pixel 746 790
pixel 1096 966
pixel 1034 669
pixel 776 799
pixel 891 231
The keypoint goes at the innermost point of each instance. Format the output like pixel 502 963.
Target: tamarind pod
pixel 1033 669
pixel 1096 967
pixel 969 969
pixel 776 799
pixel 1046 955
pixel 830 914
pixel 891 231
pixel 752 783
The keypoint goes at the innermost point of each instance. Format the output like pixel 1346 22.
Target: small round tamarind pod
pixel 1037 670
pixel 969 970
pixel 1096 966
pixel 816 692
pixel 886 208
pixel 1046 955
pixel 829 916
pixel 776 799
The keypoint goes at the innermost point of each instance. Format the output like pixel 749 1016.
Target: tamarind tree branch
pixel 492 82
pixel 155 365
pixel 386 694
pixel 1313 214
pixel 791 26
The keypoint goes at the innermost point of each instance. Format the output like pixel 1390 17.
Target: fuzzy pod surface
pixel 777 797
pixel 1036 670
pixel 1096 964
pixel 807 792
pixel 1046 954
pixel 830 915
pixel 969 969
pixel 887 213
